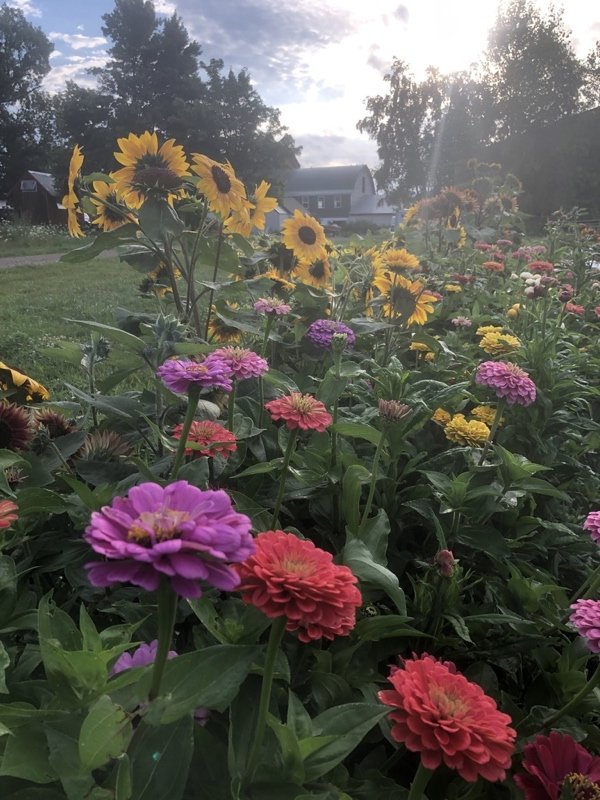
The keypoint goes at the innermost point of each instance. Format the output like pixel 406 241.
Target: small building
pixel 338 195
pixel 36 200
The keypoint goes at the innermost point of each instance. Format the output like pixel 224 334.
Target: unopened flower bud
pixel 445 563
pixel 565 294
pixel 393 411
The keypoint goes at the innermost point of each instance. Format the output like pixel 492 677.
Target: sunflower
pixel 397 261
pixel 282 259
pixel 70 201
pixel 220 331
pixel 15 427
pixel 112 212
pixel 281 282
pixel 21 387
pixel 408 300
pixel 218 183
pixel 104 446
pixel 55 424
pixel 317 274
pixel 304 236
pixel 148 169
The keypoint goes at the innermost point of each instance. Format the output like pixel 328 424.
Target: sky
pixel 315 60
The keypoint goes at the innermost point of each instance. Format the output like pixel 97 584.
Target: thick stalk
pixel 193 396
pixel 420 781
pixel 231 405
pixel 167 610
pixel 289 450
pixel 275 637
pixel 494 428
pixel 589 586
pixel 374 472
pixel 265 343
pixel 214 280
pixel 593 682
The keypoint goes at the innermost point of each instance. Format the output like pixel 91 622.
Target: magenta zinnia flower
pixel 178 532
pixel 509 381
pixel 272 305
pixel 586 618
pixel 592 524
pixel 242 362
pixel 179 374
pixel 321 333
pixel 144 655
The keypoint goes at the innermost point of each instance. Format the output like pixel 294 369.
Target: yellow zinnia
pixel 112 212
pixel 218 183
pixel 21 387
pixel 304 236
pixel 70 200
pixel 441 417
pixel 148 168
pixel 453 288
pixel 497 344
pixel 470 434
pixel 486 414
pixel 483 329
pixel 408 300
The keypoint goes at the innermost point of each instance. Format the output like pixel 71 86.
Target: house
pixel 36 200
pixel 338 195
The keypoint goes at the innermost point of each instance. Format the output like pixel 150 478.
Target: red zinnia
pixel 213 439
pixel 300 411
pixel 290 577
pixel 446 718
pixel 7 513
pixel 548 760
pixel 493 266
pixel 573 308
pixel 540 267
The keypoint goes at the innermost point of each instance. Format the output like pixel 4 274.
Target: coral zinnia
pixel 407 300
pixel 290 577
pixel 300 411
pixel 592 524
pixel 548 760
pixel 304 236
pixel 242 362
pixel 509 381
pixel 16 432
pixel 149 169
pixel 586 618
pixel 211 439
pixel 7 513
pixel 179 374
pixel 219 184
pixel 472 433
pixel 446 718
pixel 177 531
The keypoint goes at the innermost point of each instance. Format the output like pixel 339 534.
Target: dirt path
pixel 38 261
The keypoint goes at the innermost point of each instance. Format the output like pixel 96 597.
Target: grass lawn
pixel 34 302
pixel 33 240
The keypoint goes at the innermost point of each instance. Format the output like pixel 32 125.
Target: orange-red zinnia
pixel 291 577
pixel 446 718
pixel 7 513
pixel 300 411
pixel 212 439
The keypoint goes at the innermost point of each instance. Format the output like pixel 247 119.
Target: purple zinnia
pixel 178 374
pixel 144 655
pixel 510 382
pixel 586 618
pixel 271 305
pixel 242 362
pixel 321 333
pixel 176 531
pixel 592 524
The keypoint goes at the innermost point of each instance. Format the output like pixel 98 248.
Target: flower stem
pixel 420 781
pixel 193 396
pixel 494 428
pixel 214 280
pixel 593 682
pixel 265 342
pixel 590 584
pixel 231 405
pixel 289 450
pixel 167 609
pixel 371 495
pixel 275 637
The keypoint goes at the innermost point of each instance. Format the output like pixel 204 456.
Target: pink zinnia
pixel 179 374
pixel 586 618
pixel 7 513
pixel 177 531
pixel 483 246
pixel 461 322
pixel 272 305
pixel 212 439
pixel 447 719
pixel 573 308
pixel 541 267
pixel 300 411
pixel 242 362
pixel 548 760
pixel 509 381
pixel 290 577
pixel 591 524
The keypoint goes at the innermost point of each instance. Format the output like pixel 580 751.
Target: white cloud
pixel 74 68
pixel 26 6
pixel 164 7
pixel 77 41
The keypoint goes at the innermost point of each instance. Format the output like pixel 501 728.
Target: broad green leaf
pixel 128 340
pixel 388 626
pixel 160 759
pixel 104 241
pixel 354 477
pixel 105 733
pixel 358 557
pixel 358 430
pixel 26 755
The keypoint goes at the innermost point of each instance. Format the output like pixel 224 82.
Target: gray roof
pixel 371 204
pixel 313 179
pixel 46 180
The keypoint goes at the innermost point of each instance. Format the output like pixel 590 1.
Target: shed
pixel 36 200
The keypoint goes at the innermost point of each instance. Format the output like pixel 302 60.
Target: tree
pixel 26 128
pixel 590 93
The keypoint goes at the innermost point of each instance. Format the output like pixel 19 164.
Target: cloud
pixel 78 41
pixel 164 7
pixel 401 13
pixel 74 68
pixel 26 6
pixel 333 150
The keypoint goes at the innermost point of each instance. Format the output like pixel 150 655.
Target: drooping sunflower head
pixel 54 423
pixel 71 201
pixel 21 387
pixel 407 301
pixel 304 236
pixel 104 446
pixel 317 274
pixel 282 259
pixel 221 331
pixel 399 260
pixel 149 169
pixel 261 205
pixel 112 211
pixel 16 432
pixel 219 184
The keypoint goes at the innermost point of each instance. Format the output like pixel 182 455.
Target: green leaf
pixel 157 218
pixel 123 786
pixel 260 469
pixel 160 759
pixel 358 557
pixel 128 340
pixel 358 430
pixel 105 733
pixel 4 663
pixel 389 626
pixel 354 477
pixel 104 241
pixel 292 766
pixel 26 755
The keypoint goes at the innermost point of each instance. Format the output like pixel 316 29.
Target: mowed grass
pixel 32 240
pixel 35 301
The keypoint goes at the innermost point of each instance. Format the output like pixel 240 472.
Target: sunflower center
pixel 156 176
pixel 402 300
pixel 221 179
pixel 307 235
pixel 317 270
pixel 156 526
pixel 5 436
pixel 110 213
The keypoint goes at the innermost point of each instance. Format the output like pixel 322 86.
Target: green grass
pixel 17 239
pixel 34 302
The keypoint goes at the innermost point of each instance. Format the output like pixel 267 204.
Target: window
pixel 320 202
pixel 337 202
pixel 304 201
pixel 28 186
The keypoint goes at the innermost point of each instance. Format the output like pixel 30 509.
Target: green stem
pixel 265 343
pixel 275 637
pixel 374 472
pixel 167 610
pixel 214 280
pixel 589 586
pixel 261 401
pixel 284 468
pixel 193 396
pixel 231 405
pixel 420 781
pixel 593 682
pixel 494 428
